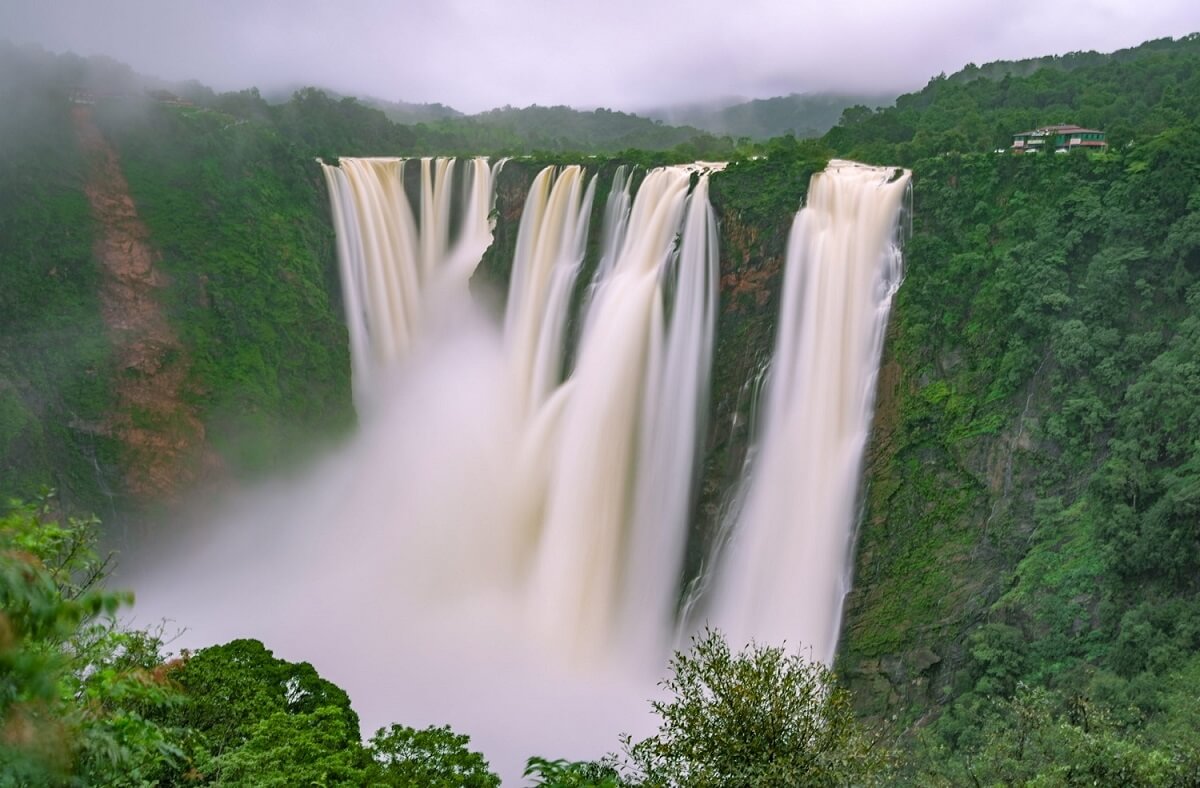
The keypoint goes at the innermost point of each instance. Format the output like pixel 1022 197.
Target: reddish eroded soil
pixel 742 282
pixel 161 435
pixel 753 282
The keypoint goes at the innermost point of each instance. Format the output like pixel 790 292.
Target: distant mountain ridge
pixel 799 114
pixel 399 111
pixel 999 69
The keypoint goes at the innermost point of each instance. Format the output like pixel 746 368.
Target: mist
pixel 621 54
pixel 370 565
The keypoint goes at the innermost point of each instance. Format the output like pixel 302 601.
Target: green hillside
pixel 1147 90
pixel 799 114
pixel 565 129
pixel 350 126
pixel 54 357
pixel 1032 491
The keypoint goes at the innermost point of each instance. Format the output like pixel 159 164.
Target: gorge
pixel 532 483
pixel 604 468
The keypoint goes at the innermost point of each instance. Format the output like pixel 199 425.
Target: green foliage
pixel 1132 95
pixel 799 114
pixel 1031 509
pixel 240 218
pixel 233 688
pixel 762 718
pixel 1037 738
pixel 54 353
pixel 765 191
pixel 431 758
pixel 85 702
pixel 561 129
pixel 77 692
pixel 331 127
pixel 287 749
pixel 255 719
pixel 574 774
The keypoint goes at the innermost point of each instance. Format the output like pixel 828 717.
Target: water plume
pixel 505 532
pixel 500 546
pixel 786 569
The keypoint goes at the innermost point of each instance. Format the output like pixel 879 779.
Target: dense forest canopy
pixel 1131 94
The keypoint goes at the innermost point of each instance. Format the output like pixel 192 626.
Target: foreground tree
pixel 761 718
pixel 574 774
pixel 431 758
pixel 259 720
pixel 77 691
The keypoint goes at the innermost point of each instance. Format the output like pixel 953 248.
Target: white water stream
pixel 500 547
pixel 786 571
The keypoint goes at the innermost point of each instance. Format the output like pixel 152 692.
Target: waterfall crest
pixel 785 571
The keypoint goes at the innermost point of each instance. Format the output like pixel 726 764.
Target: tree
pixel 1040 738
pixel 233 687
pixel 285 749
pixel 574 774
pixel 260 720
pixel 761 718
pixel 430 758
pixel 76 690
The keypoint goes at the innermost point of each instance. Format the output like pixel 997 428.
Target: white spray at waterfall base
pixel 500 546
pixel 383 566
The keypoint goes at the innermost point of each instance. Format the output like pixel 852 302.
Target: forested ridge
pixel 801 115
pixel 1026 607
pixel 1031 537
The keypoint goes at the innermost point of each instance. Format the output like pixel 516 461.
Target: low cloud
pixel 619 53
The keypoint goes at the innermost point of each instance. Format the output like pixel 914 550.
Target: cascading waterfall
pixel 605 463
pixel 674 418
pixel 785 571
pixel 507 529
pixel 391 268
pixel 549 252
pixel 603 478
pixel 618 458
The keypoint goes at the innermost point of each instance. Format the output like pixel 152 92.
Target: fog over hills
pixel 622 54
pixel 799 114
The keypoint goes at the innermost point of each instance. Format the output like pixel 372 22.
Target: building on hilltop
pixel 1060 139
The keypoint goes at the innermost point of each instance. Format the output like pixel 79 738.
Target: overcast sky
pixel 626 54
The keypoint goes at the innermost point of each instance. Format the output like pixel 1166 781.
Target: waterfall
pixel 619 460
pixel 550 249
pixel 786 570
pixel 507 527
pixel 590 529
pixel 392 268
